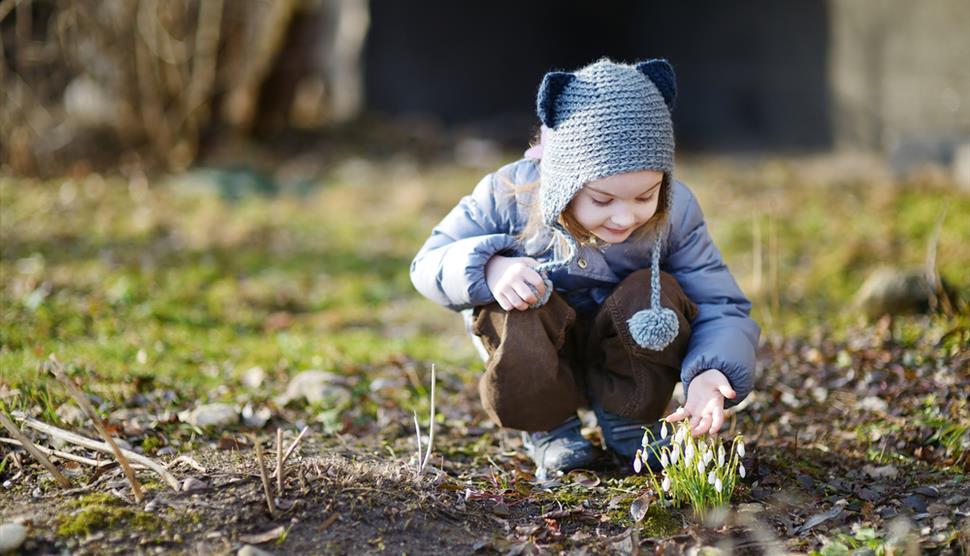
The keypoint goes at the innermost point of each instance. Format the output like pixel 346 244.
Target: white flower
pixel 708 456
pixel 710 477
pixel 679 437
pixel 663 459
pixel 663 430
pixel 741 470
pixel 701 446
pixel 689 452
pixel 675 454
pixel 637 464
pixel 700 467
pixel 740 448
pixel 717 485
pixel 665 484
pixel 645 441
pixel 720 456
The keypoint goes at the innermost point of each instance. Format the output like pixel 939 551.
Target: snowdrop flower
pixel 663 431
pixel 701 446
pixel 708 456
pixel 689 452
pixel 700 467
pixel 665 484
pixel 637 464
pixel 645 441
pixel 679 437
pixel 664 462
pixel 717 485
pixel 741 470
pixel 740 448
pixel 720 456
pixel 711 477
pixel 675 454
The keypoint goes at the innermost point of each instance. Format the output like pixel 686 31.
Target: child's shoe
pixel 624 436
pixel 559 450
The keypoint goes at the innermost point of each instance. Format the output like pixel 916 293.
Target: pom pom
pixel 653 329
pixel 542 298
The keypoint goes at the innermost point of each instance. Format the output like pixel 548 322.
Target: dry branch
pixel 262 475
pixel 54 366
pixel 29 446
pixel 90 444
pixel 279 461
pixel 66 455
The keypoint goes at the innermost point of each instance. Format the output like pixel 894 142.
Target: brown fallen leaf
pixel 639 507
pixel 266 536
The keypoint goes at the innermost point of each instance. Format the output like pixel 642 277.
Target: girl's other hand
pixel 705 402
pixel 509 279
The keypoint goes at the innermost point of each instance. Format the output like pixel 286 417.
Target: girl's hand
pixel 705 402
pixel 509 279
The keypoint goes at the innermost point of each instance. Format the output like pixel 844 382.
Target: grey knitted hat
pixel 606 119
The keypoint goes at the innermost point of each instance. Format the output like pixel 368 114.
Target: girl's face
pixel 613 208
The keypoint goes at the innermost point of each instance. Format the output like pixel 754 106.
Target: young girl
pixel 588 274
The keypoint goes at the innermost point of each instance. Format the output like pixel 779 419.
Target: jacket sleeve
pixel 450 267
pixel 723 335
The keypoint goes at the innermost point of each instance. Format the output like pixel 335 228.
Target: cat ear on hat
pixel 662 74
pixel 553 84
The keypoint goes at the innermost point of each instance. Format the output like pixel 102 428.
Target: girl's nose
pixel 623 217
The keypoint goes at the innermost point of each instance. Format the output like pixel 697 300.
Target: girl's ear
pixel 661 74
pixel 553 84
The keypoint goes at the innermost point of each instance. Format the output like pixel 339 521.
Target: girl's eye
pixel 599 203
pixel 644 199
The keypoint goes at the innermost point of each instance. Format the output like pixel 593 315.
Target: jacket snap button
pixel 581 263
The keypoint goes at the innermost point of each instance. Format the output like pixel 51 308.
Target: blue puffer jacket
pixel 450 268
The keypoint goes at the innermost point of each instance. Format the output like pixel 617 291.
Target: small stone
pixel 751 507
pixel 253 377
pixel 941 522
pixel 192 484
pixel 250 550
pixel 884 472
pixel 955 500
pixel 12 535
pixel 928 491
pixel 211 415
pixel 317 386
pixel 936 508
pixel 915 503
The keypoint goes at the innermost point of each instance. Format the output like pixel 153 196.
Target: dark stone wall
pixel 752 75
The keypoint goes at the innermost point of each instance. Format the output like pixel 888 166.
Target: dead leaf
pixel 260 538
pixel 639 507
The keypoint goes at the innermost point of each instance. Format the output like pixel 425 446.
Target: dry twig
pixel 66 455
pixel 279 461
pixel 90 444
pixel 423 460
pixel 262 475
pixel 55 368
pixel 29 446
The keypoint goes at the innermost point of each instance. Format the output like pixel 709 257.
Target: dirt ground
pixel 852 447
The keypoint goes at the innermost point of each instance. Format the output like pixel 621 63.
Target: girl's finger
pixel 703 425
pixel 694 421
pixel 516 300
pixel 717 419
pixel 678 415
pixel 524 292
pixel 503 302
pixel 727 391
pixel 534 278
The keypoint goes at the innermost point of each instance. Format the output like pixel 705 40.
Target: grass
pixel 175 286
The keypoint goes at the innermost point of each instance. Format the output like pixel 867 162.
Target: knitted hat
pixel 606 119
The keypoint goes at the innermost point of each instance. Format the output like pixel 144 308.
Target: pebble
pixel 318 386
pixel 915 503
pixel 955 500
pixel 211 415
pixel 250 550
pixel 192 484
pixel 941 522
pixel 12 535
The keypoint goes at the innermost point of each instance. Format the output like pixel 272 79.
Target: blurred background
pixel 224 184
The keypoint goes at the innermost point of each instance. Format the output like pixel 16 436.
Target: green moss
pixel 659 522
pixel 99 511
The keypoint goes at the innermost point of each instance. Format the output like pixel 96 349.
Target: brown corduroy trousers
pixel 546 363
